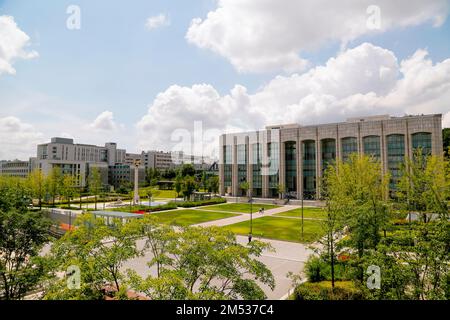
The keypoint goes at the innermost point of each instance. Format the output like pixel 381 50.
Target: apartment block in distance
pixel 17 168
pixel 296 156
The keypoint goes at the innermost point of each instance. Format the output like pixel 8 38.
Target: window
pixel 372 146
pixel 309 169
pixel 349 145
pixel 395 157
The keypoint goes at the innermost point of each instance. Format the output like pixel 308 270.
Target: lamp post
pixel 302 213
pixel 137 163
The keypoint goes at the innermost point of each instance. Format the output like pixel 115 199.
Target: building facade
pixel 296 156
pixel 17 168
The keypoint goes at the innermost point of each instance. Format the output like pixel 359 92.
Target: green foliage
pixel 205 264
pixel 187 170
pixel 22 236
pixel 99 260
pixel 163 207
pixel 446 141
pixel 188 187
pixel 213 184
pixel 191 204
pixel 424 186
pixel 324 291
pixel 15 194
pixel 152 176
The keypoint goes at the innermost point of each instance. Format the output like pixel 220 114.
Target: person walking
pixel 249 237
pixel 262 210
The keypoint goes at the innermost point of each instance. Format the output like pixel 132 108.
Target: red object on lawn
pixel 139 212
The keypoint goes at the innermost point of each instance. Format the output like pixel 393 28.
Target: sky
pixel 174 74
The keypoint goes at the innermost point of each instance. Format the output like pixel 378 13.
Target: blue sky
pixel 115 63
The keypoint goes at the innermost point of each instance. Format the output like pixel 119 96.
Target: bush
pixel 317 269
pixel 168 206
pixel 190 204
pixel 343 290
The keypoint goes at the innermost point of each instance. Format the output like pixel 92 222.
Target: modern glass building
pixel 295 156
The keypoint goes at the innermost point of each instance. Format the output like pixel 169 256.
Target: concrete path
pixel 244 217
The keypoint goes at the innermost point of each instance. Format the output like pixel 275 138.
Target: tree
pixel 206 264
pixel 22 236
pixel 15 194
pixel 152 176
pixel 446 141
pixel 187 170
pixel 281 189
pixel 36 180
pixel 213 184
pixel 100 261
pixel 189 186
pixel 95 183
pixel 356 191
pixel 178 184
pixel 204 181
pixel 68 187
pixel 424 185
pixel 245 186
pixel 54 182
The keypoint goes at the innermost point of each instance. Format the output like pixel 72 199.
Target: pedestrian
pixel 262 210
pixel 249 237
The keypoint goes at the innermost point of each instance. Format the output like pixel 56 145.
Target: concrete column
pixel 265 169
pixel 234 180
pixel 282 164
pixel 299 152
pixel 318 164
pixel 383 147
pixel 221 167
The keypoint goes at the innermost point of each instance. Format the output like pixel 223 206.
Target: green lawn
pixel 188 217
pixel 240 207
pixel 308 212
pixel 280 229
pixel 157 194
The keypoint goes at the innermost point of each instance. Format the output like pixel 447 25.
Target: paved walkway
pixel 244 216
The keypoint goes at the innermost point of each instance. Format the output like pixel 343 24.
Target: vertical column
pixel 282 163
pixel 221 166
pixel 360 141
pixel 249 161
pixel 318 164
pixel 299 159
pixel 265 168
pixel 338 145
pixel 436 136
pixel 234 179
pixel 383 147
pixel 408 145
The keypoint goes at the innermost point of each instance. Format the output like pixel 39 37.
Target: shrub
pixel 344 290
pixel 190 204
pixel 317 269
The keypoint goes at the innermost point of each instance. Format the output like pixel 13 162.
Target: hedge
pixel 343 290
pixel 190 204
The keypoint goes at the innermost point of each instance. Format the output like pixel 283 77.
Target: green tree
pixel 206 264
pixel 152 176
pixel 178 184
pixel 424 185
pixel 213 184
pixel 68 187
pixel 446 141
pixel 22 236
pixel 357 193
pixel 95 183
pixel 100 260
pixel 187 170
pixel 245 186
pixel 15 194
pixel 37 182
pixel 189 186
pixel 54 182
pixel 281 189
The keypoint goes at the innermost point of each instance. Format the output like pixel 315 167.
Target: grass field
pixel 240 207
pixel 157 194
pixel 308 212
pixel 189 217
pixel 286 229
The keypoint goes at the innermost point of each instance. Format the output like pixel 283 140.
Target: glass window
pixel 349 145
pixel 372 146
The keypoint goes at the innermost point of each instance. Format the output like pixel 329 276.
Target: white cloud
pixel 104 122
pixel 365 80
pixel 18 139
pixel 158 21
pixel 13 43
pixel 266 35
